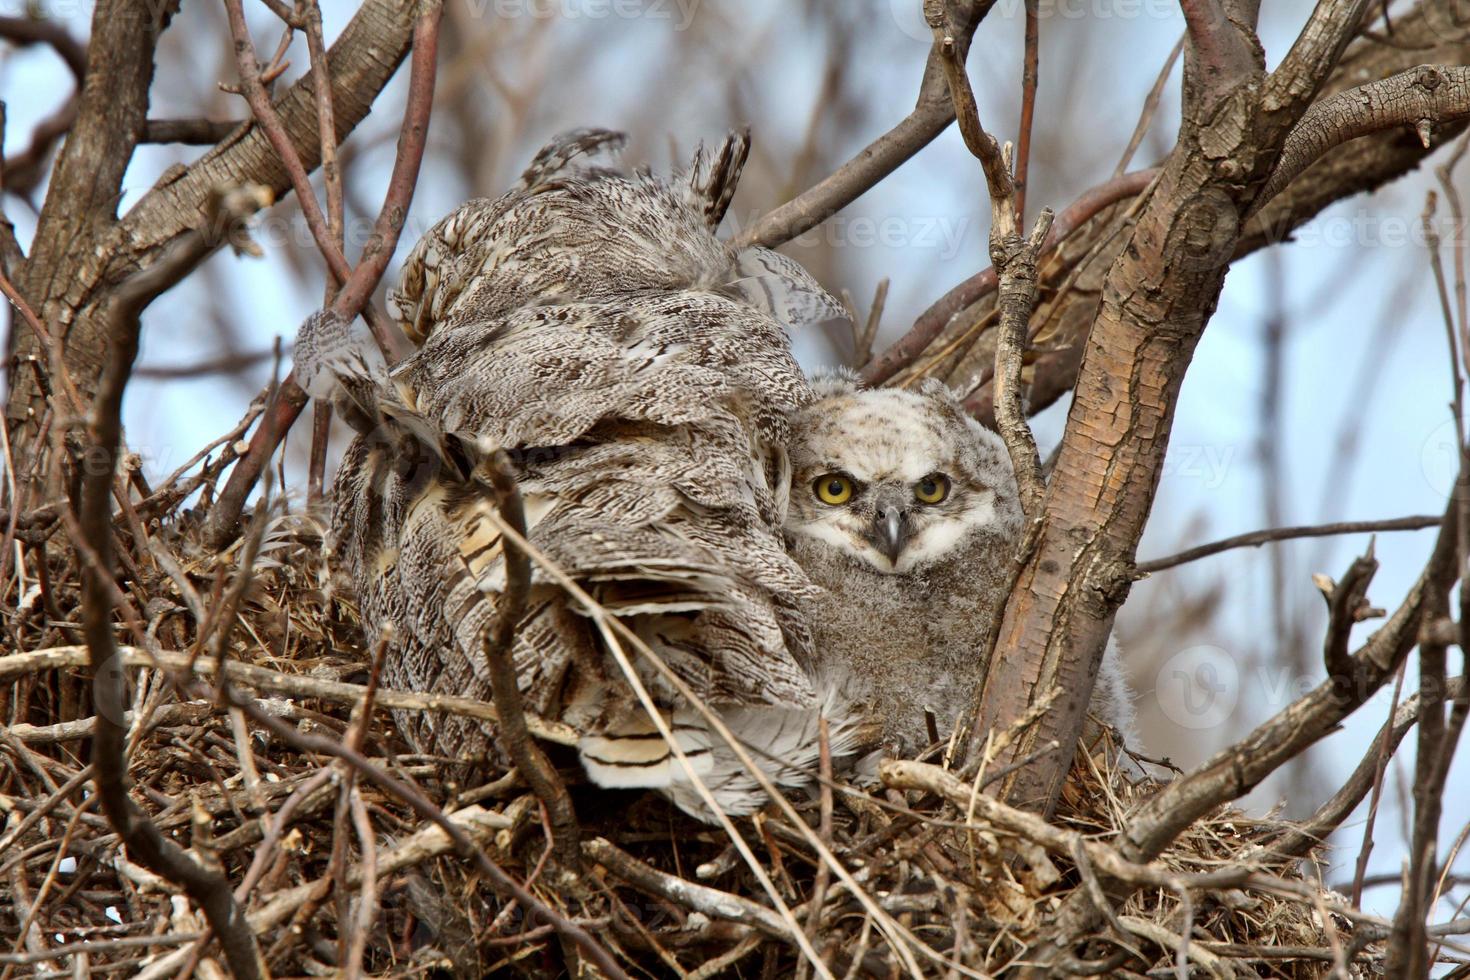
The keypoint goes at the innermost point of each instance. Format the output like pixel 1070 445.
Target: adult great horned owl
pixel 638 373
pixel 905 512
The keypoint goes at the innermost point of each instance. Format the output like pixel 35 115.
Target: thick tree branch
pixel 1421 97
pixel 1318 49
pixel 86 182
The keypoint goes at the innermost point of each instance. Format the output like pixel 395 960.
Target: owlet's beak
pixel 889 532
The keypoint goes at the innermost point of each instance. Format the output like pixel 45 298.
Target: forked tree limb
pixel 1314 831
pixel 80 246
pixel 1082 259
pixel 357 288
pixel 931 116
pixel 1235 770
pixel 1014 258
pixel 1157 298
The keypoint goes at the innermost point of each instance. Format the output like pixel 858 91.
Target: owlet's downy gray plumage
pixel 905 513
pixel 638 374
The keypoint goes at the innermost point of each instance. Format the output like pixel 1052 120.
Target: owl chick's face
pixel 898 480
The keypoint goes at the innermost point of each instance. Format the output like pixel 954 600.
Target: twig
pixel 206 887
pixel 193 132
pixel 1347 605
pixel 1314 831
pixel 529 760
pixel 931 116
pixel 421 805
pixel 1386 746
pixel 931 323
pixel 300 685
pixel 1256 538
pixel 1150 108
pixel 1029 74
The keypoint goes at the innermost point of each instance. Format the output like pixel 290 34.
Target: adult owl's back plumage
pixel 637 370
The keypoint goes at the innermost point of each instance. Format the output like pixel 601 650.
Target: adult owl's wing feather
pixel 585 324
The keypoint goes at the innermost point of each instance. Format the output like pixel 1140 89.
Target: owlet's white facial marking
pixel 921 477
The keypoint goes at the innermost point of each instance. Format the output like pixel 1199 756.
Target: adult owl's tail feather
pixel 784 742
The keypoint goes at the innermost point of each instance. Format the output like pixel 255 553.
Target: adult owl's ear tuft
pixel 713 182
pixel 555 159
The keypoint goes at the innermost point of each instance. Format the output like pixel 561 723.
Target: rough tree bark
pixel 1157 299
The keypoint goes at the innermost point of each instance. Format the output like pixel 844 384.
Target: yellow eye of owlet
pixel 932 489
pixel 833 488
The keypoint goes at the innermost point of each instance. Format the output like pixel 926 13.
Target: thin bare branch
pixel 1254 539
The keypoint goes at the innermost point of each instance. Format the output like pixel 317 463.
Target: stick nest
pixel 665 894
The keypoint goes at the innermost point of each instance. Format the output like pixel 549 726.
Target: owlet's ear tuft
pixel 830 382
pixel 944 394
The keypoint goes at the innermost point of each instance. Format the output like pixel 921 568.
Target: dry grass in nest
pixel 664 893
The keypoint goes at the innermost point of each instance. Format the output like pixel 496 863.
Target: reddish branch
pixel 1029 72
pixel 932 321
pixel 358 285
